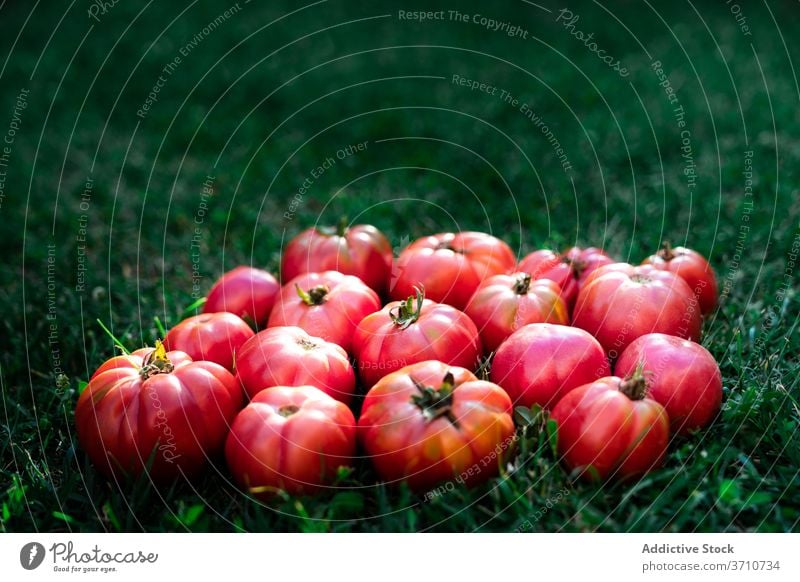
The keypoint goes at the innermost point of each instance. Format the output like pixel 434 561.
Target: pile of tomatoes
pixel 416 363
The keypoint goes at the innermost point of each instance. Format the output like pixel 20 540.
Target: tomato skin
pixel 288 356
pixel 693 268
pixel 504 303
pixel 335 316
pixel 244 291
pixel 290 438
pixel 681 375
pixel 406 446
pixel 568 269
pixel 439 332
pixel 361 250
pixel 178 418
pixel 450 267
pixel 214 337
pixel 620 303
pixel 541 362
pixel 601 427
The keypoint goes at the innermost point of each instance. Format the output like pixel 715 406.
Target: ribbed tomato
pixel 620 302
pixel 360 250
pixel 681 375
pixel 156 409
pixel 504 303
pixel 449 266
pixel 430 422
pixel 292 439
pixel 246 292
pixel 693 268
pixel 214 337
pixel 608 428
pixel 411 331
pixel 288 356
pixel 568 269
pixel 541 362
pixel 328 305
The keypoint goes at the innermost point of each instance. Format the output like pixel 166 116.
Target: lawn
pixel 150 147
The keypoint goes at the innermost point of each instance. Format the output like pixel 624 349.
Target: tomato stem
pixel 156 362
pixel 314 296
pixel 436 402
pixel 666 252
pixel 406 313
pixel 522 284
pixel 339 230
pixel 288 410
pixel 634 386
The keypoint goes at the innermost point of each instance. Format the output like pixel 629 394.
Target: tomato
pixel 214 337
pixel 415 330
pixel 681 375
pixel 504 303
pixel 292 439
pixel 693 268
pixel 449 266
pixel 540 362
pixel 288 356
pixel 620 302
pixel 328 305
pixel 568 269
pixel 431 422
pixel 246 292
pixel 607 428
pixel 361 250
pixel 158 409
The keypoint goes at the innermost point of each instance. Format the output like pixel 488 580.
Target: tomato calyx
pixel 156 362
pixel 523 284
pixel 447 245
pixel 666 253
pixel 307 344
pixel 288 410
pixel 634 386
pixel 641 279
pixel 339 230
pixel 407 313
pixel 436 402
pixel 314 296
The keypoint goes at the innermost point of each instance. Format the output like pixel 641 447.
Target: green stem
pixel 406 313
pixel 314 296
pixel 522 284
pixel 436 402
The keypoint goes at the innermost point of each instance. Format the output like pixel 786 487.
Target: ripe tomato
pixel 504 303
pixel 693 268
pixel 290 438
pixel 430 422
pixel 246 292
pixel 288 356
pixel 620 302
pixel 608 428
pixel 158 409
pixel 449 266
pixel 681 375
pixel 214 337
pixel 328 305
pixel 361 250
pixel 540 362
pixel 411 331
pixel 568 269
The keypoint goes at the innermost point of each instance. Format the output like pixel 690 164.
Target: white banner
pixel 402 557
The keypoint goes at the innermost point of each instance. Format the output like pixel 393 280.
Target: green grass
pixel 259 107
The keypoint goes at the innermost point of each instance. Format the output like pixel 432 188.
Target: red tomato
pixel 292 439
pixel 693 268
pixel 450 266
pixel 540 362
pixel 361 250
pixel 156 408
pixel 568 269
pixel 430 422
pixel 246 292
pixel 415 330
pixel 609 429
pixel 504 303
pixel 620 302
pixel 288 356
pixel 214 337
pixel 681 375
pixel 328 305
